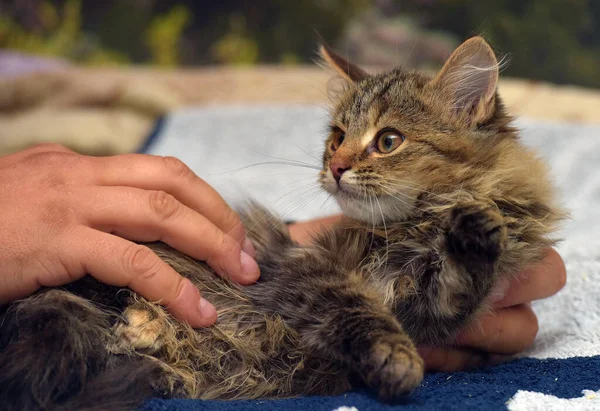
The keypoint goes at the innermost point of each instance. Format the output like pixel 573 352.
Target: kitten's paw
pixel 168 384
pixel 140 331
pixel 476 230
pixel 394 368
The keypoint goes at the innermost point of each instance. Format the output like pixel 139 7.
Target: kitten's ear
pixel 346 69
pixel 469 79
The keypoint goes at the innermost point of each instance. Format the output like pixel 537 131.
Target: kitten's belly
pixel 249 353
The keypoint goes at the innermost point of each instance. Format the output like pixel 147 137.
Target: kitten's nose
pixel 338 168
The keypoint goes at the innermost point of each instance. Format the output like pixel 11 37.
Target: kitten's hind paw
pixel 476 230
pixel 394 368
pixel 140 331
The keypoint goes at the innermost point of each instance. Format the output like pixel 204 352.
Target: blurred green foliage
pixel 59 33
pixel 236 47
pixel 163 35
pixel 554 40
pixel 169 33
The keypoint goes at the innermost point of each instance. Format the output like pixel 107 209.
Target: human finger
pixel 450 359
pixel 171 175
pixel 119 262
pixel 509 330
pixel 144 216
pixel 539 281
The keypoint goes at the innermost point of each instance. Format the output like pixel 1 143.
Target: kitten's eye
pixel 337 141
pixel 389 140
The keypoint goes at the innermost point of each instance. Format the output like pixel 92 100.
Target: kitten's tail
pixel 53 356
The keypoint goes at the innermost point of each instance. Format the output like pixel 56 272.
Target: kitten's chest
pixel 401 251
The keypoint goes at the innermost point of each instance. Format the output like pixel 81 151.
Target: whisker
pixel 307 153
pixel 399 186
pixel 385 190
pixel 307 198
pixel 372 234
pixel 411 185
pixel 326 200
pixel 373 221
pixel 387 245
pixel 305 188
pixel 311 193
pixel 234 171
pixel 284 159
pixel 298 204
pixel 302 189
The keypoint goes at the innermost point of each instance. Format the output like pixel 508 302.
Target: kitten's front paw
pixel 476 230
pixel 393 368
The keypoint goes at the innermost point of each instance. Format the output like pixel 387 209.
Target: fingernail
pixel 207 310
pixel 248 248
pixel 249 266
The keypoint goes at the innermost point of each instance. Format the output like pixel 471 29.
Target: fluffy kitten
pixel 441 201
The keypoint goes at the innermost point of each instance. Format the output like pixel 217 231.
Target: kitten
pixel 442 202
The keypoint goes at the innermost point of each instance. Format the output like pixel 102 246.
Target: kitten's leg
pixel 476 236
pixel 53 355
pixel 360 330
pixel 334 312
pixel 453 282
pixel 391 366
pixel 146 328
pixel 343 318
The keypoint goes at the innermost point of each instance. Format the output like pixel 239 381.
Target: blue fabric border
pixel 153 136
pixel 486 389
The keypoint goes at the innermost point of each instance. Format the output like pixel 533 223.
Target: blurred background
pixel 99 75
pixel 552 40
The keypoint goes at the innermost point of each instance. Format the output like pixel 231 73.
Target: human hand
pixel 509 328
pixel 65 215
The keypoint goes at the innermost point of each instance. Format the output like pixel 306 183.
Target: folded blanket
pixel 44 100
pixel 246 152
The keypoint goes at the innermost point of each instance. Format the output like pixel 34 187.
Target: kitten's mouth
pixel 354 206
pixel 346 193
pixel 374 208
pixel 353 201
pixel 344 189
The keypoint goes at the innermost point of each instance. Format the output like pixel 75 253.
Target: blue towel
pixel 488 389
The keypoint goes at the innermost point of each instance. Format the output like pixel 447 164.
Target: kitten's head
pixel 397 135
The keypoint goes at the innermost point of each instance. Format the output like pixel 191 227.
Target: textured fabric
pixel 230 146
pixel 486 389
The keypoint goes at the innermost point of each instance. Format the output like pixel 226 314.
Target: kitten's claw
pixel 476 230
pixel 394 368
